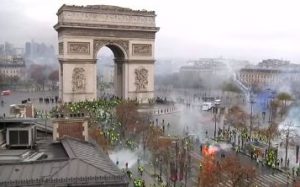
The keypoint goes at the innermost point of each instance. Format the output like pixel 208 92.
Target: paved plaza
pixel 17 97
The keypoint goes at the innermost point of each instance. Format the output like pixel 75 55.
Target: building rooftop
pixel 70 162
pixel 11 62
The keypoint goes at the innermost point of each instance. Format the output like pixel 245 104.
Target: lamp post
pixel 251 103
pixel 288 135
pixel 46 117
pixel 287 138
pixel 271 108
pixel 160 168
pixel 215 111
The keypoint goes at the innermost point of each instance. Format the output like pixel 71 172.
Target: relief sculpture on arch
pixel 78 80
pixel 141 79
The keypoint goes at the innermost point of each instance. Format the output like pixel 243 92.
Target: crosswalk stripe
pixel 285 176
pixel 277 178
pixel 260 182
pixel 229 183
pixel 226 183
pixel 269 178
pixel 281 177
pixel 194 180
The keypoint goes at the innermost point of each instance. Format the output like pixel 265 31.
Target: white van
pixel 217 101
pixel 207 106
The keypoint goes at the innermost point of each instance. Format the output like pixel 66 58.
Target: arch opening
pixel 110 71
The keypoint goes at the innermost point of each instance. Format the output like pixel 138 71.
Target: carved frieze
pixel 141 79
pixel 116 19
pixel 61 48
pixel 119 33
pixel 141 49
pixel 100 43
pixel 78 80
pixel 79 48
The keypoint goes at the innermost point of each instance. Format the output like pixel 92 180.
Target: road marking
pixel 268 179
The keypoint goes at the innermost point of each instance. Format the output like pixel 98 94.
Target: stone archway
pixel 130 34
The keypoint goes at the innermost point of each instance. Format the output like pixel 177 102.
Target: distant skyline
pixel 249 29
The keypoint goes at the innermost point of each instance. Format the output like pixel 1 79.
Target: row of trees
pixel 37 74
pixel 214 171
pixel 238 117
pixel 43 73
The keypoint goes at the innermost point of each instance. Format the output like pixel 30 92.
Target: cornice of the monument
pixel 105 9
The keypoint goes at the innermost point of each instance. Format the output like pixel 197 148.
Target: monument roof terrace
pixel 105 9
pixel 99 15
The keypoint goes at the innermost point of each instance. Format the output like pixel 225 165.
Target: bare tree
pixel 273 109
pixel 288 135
pixel 236 117
pixel 38 74
pixel 98 136
pixel 128 116
pixel 210 172
pixel 53 77
pixel 270 133
pixel 239 174
pixel 283 97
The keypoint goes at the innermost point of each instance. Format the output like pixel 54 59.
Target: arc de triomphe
pixel 84 30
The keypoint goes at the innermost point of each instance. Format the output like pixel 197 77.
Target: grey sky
pixel 244 29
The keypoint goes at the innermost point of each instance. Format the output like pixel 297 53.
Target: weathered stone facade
pixel 270 72
pixel 83 31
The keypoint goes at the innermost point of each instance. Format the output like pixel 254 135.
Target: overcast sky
pixel 243 29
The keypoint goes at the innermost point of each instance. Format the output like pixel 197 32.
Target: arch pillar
pixel 139 79
pixel 78 79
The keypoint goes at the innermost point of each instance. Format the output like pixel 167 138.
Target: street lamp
pixel 288 133
pixel 215 111
pixel 251 103
pixel 160 169
pixel 271 97
pixel 46 117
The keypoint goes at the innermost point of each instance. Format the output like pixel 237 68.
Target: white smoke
pixel 124 156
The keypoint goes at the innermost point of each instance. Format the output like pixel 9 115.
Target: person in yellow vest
pixel 141 170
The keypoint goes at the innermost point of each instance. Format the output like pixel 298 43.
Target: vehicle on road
pixel 217 101
pixel 207 106
pixel 6 92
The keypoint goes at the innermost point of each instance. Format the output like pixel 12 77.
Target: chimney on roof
pixel 72 127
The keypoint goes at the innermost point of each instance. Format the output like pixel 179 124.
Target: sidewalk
pixel 281 154
pixel 149 169
pixel 148 175
pixel 282 169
